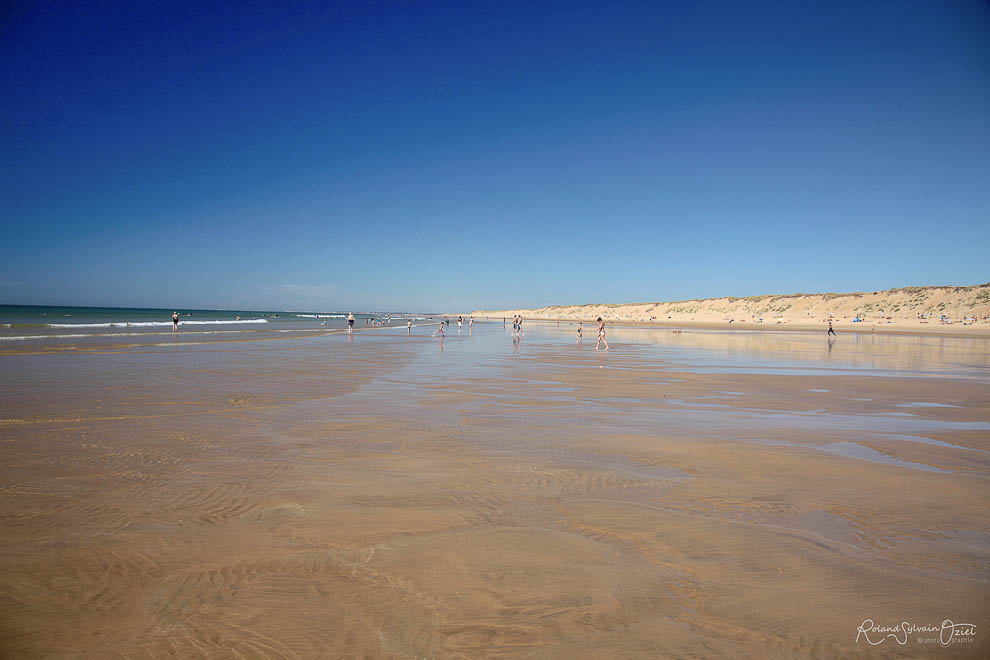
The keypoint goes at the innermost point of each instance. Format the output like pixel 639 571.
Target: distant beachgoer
pixel 471 323
pixel 580 335
pixel 238 317
pixel 515 326
pixel 350 322
pixel 521 333
pixel 830 330
pixel 601 334
pixel 459 321
pixel 175 321
pixel 440 331
pixel 409 326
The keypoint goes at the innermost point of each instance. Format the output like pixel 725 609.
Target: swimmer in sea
pixel 175 321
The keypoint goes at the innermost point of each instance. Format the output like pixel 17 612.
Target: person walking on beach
pixel 350 322
pixel 830 330
pixel 580 332
pixel 521 333
pixel 409 326
pixel 471 323
pixel 459 321
pixel 601 334
pixel 175 321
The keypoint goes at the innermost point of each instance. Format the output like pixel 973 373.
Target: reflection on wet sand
pixel 958 356
pixel 381 496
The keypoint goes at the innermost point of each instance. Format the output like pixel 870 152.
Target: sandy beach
pixel 923 310
pixel 378 495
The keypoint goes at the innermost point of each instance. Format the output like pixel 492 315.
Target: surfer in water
pixel 175 321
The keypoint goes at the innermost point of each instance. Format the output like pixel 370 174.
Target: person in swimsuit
pixel 521 333
pixel 350 322
pixel 601 334
pixel 830 330
pixel 409 326
pixel 175 321
pixel 580 331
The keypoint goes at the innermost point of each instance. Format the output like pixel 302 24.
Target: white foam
pixel 926 404
pixel 123 334
pixel 150 324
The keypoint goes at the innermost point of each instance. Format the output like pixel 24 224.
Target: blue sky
pixel 466 155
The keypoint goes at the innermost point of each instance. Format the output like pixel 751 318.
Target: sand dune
pixel 917 307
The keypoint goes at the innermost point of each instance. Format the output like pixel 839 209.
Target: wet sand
pixel 391 496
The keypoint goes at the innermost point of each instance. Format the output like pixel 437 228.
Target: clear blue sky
pixel 464 155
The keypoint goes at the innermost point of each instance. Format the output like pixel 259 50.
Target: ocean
pixel 35 323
